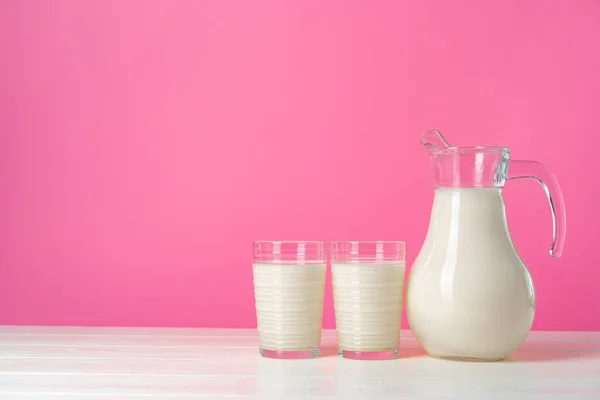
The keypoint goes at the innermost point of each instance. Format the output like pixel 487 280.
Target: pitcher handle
pixel 544 175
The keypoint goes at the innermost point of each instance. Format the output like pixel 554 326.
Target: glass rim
pixel 469 149
pixel 367 250
pixel 289 241
pixel 307 251
pixel 369 241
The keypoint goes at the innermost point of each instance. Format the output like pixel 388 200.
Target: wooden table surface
pixel 165 363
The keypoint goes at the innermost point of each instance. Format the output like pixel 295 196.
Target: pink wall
pixel 145 144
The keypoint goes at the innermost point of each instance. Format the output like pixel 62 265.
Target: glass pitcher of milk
pixel 469 295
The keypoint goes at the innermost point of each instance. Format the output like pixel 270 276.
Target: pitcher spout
pixel 433 139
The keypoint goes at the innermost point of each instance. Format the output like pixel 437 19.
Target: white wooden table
pixel 164 363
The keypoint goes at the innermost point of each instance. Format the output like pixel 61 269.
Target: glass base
pixel 290 354
pixel 369 355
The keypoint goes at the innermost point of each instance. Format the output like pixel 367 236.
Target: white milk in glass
pixel 368 305
pixel 289 305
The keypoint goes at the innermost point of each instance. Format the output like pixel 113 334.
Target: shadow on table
pixel 522 356
pixel 413 352
pixel 550 355
pixel 329 351
pixel 332 351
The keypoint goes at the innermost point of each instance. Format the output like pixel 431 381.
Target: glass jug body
pixel 469 294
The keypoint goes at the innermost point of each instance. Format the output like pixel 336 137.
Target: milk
pixel 289 305
pixel 469 294
pixel 368 304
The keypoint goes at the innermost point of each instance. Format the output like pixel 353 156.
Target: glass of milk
pixel 368 282
pixel 289 285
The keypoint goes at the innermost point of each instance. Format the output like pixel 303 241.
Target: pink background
pixel 145 144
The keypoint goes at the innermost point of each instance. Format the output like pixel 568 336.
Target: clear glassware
pixel 289 285
pixel 469 294
pixel 368 283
